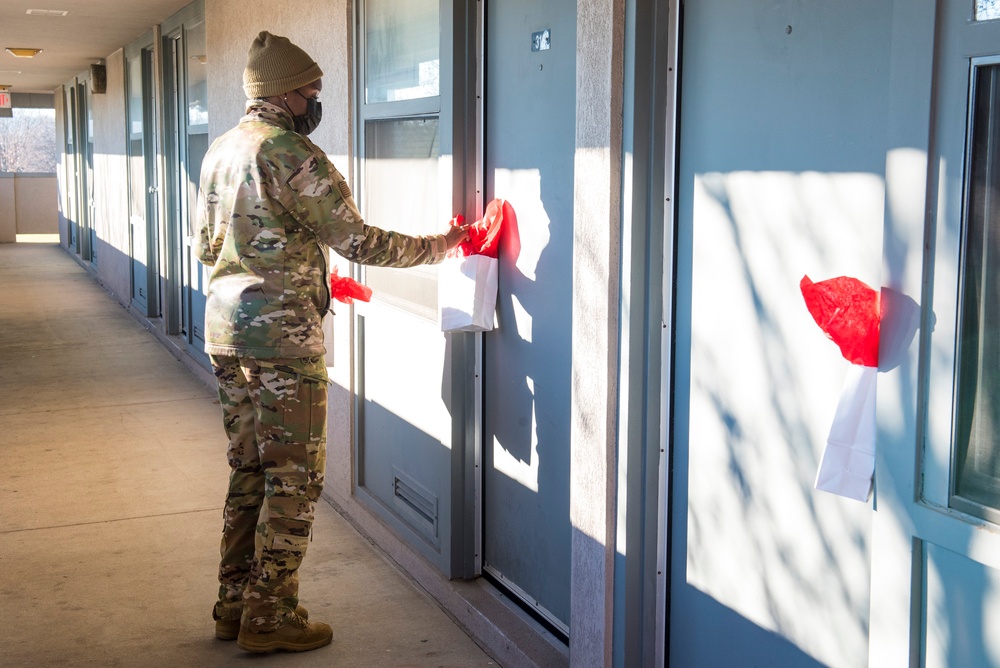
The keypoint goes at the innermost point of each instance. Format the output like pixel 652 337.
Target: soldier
pixel 271 205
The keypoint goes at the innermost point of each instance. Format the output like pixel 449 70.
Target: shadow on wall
pixel 742 638
pixel 527 374
pixel 755 537
pixel 764 386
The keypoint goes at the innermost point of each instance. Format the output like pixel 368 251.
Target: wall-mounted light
pixel 47 12
pixel 98 79
pixel 21 52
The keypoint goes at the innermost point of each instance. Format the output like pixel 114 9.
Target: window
pixel 136 146
pixel 987 10
pixel 28 141
pixel 197 110
pixel 400 140
pixel 402 51
pixel 976 476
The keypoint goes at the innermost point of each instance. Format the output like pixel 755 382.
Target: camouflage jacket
pixel 270 205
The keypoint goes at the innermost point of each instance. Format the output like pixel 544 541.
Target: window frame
pixel 955 500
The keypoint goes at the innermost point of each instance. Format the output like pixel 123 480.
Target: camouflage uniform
pixel 271 206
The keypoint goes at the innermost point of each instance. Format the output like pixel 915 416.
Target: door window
pixel 400 143
pixel 88 211
pixel 69 117
pixel 402 50
pixel 987 10
pixel 977 465
pixel 185 130
pixel 143 194
pixel 137 170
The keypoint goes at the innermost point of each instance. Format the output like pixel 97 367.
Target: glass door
pixel 79 155
pixel 411 444
pixel 186 132
pixel 143 192
pixel 195 115
pixel 85 183
pixel 72 167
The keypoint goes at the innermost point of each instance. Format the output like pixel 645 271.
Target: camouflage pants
pixel 274 413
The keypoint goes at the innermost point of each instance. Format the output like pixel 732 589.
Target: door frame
pixel 176 204
pixel 85 161
pixel 172 50
pixel 646 314
pixel 146 49
pixel 671 77
pixel 70 196
pixel 80 176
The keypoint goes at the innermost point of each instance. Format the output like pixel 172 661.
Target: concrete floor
pixel 114 472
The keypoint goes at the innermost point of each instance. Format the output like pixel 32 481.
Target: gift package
pixel 467 280
pixel 848 312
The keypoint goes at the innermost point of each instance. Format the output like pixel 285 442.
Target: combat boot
pixel 295 634
pixel 229 629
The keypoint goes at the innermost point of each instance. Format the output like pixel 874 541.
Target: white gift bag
pixel 467 293
pixel 848 462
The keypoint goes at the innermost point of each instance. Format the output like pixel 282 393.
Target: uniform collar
pixel 258 110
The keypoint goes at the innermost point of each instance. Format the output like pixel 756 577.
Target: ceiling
pixel 90 31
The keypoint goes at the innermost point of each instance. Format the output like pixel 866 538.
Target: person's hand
pixel 456 234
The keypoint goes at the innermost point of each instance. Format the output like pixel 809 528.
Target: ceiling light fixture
pixel 21 52
pixel 47 12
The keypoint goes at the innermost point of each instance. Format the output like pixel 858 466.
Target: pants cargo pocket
pixel 283 542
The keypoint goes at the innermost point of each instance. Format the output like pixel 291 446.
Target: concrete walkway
pixel 114 472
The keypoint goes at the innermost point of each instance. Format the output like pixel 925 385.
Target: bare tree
pixel 987 9
pixel 28 141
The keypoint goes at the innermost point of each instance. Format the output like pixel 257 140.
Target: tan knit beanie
pixel 276 66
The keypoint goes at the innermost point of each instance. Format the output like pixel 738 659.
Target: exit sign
pixel 4 99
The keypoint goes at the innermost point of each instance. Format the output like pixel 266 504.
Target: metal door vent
pixel 415 503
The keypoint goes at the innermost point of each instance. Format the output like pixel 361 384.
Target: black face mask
pixel 307 122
